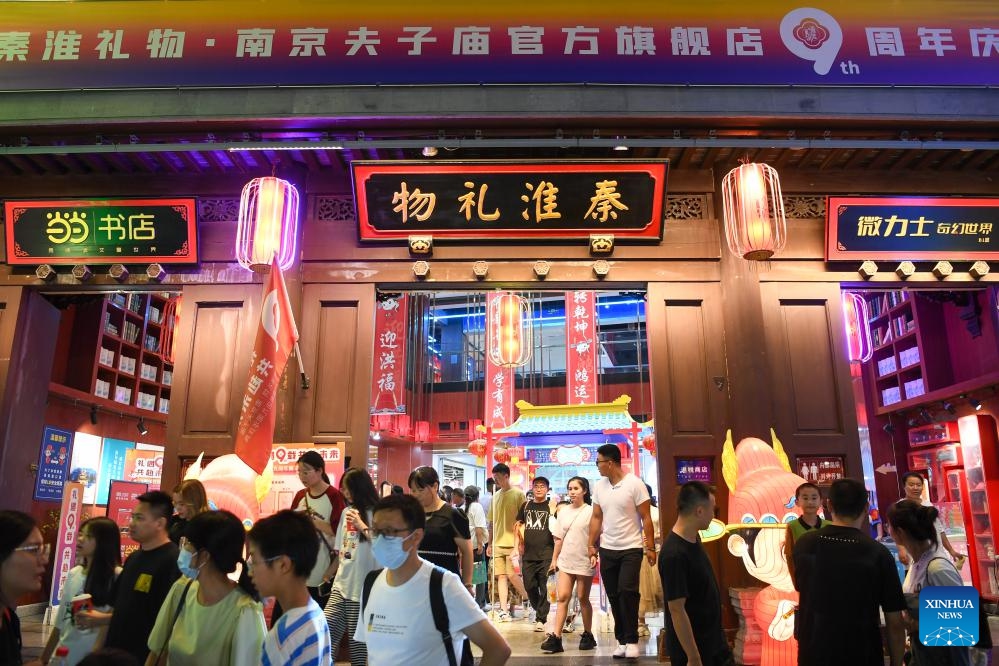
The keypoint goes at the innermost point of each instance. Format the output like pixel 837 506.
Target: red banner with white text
pixel 388 380
pixel 499 380
pixel 276 337
pixel 580 347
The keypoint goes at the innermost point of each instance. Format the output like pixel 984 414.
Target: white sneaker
pixel 619 651
pixel 631 651
pixel 539 626
pixel 504 617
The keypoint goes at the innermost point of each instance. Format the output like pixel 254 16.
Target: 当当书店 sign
pixel 492 200
pixel 101 231
pixel 912 228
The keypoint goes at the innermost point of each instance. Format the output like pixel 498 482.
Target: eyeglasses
pixel 41 550
pixel 252 562
pixel 373 532
pixel 602 461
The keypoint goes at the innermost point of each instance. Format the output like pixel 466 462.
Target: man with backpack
pixel 411 611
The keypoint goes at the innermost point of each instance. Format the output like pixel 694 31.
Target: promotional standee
pixel 64 553
pixel 53 464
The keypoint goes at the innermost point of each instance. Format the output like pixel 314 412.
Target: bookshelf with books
pixel 910 355
pixel 115 350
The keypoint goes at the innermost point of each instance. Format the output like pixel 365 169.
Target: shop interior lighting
pixel 925 415
pixel 949 407
pixel 141 427
pixel 976 404
pixel 93 414
pixel 429 151
pixel 45 272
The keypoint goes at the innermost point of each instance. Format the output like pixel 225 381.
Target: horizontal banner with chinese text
pixel 509 200
pixel 145 43
pixel 101 231
pixel 912 228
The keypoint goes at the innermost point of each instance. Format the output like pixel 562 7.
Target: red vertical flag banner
pixel 499 380
pixel 390 356
pixel 276 337
pixel 580 347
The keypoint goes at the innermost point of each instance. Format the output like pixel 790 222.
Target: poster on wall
pixel 86 462
pixel 64 555
pixel 694 469
pixel 53 464
pixel 820 469
pixel 112 465
pixel 284 458
pixel 143 465
pixel 121 500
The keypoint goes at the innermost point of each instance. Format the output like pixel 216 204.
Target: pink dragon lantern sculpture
pixel 232 485
pixel 762 488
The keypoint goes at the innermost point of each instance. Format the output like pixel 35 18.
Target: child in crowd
pixel 282 551
pixel 809 499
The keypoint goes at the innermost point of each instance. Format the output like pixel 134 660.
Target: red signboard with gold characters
pixel 510 199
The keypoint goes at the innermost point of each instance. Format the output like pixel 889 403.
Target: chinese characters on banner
pixel 499 380
pixel 144 466
pixel 820 469
pixel 64 552
pixel 121 500
pixel 53 464
pixel 580 347
pixel 387 385
pixel 276 337
pixel 302 42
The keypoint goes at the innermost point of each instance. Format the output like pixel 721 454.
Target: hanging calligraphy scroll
pixel 580 347
pixel 390 356
pixel 499 380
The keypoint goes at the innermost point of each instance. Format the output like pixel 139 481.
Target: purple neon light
pixel 268 224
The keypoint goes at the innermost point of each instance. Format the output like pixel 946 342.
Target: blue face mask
pixel 388 551
pixel 184 564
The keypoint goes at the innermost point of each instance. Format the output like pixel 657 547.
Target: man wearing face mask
pixel 396 620
pixel 145 579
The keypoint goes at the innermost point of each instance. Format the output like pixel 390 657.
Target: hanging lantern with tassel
pixel 510 331
pixel 268 224
pixel 649 444
pixel 477 447
pixel 753 208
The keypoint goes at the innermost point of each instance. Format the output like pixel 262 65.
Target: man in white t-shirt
pixel 622 525
pixel 397 621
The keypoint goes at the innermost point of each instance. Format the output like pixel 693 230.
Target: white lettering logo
pixel 813 35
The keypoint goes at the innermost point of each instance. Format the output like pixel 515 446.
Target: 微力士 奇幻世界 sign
pixel 101 231
pixel 912 228
pixel 495 200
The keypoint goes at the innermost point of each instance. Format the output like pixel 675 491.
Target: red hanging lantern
pixel 501 455
pixel 509 340
pixel 515 453
pixel 858 328
pixel 753 208
pixel 649 444
pixel 477 447
pixel 421 433
pixel 268 224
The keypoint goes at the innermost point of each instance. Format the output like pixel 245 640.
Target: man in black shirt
pixel 694 632
pixel 536 550
pixel 844 578
pixel 145 579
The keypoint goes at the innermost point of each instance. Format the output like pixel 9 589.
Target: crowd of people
pixel 403 576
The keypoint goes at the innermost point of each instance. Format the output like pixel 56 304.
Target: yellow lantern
pixel 268 224
pixel 753 208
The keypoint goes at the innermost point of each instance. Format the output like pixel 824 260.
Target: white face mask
pixel 388 551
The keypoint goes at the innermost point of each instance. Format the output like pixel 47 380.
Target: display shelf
pixel 980 446
pixel 120 336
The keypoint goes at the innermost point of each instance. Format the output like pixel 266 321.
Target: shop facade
pixel 732 344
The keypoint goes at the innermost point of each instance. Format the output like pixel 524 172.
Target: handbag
pixel 479 572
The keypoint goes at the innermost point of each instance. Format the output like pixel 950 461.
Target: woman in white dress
pixel 98 549
pixel 571 529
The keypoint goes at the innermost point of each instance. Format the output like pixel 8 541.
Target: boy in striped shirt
pixel 282 551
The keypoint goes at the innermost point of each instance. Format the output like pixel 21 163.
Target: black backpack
pixel 437 607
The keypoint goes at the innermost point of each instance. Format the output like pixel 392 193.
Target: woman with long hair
pixel 207 618
pixel 23 556
pixel 324 504
pixel 98 554
pixel 356 559
pixel 189 499
pixel 571 560
pixel 446 538
pixel 913 526
pixel 650 585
